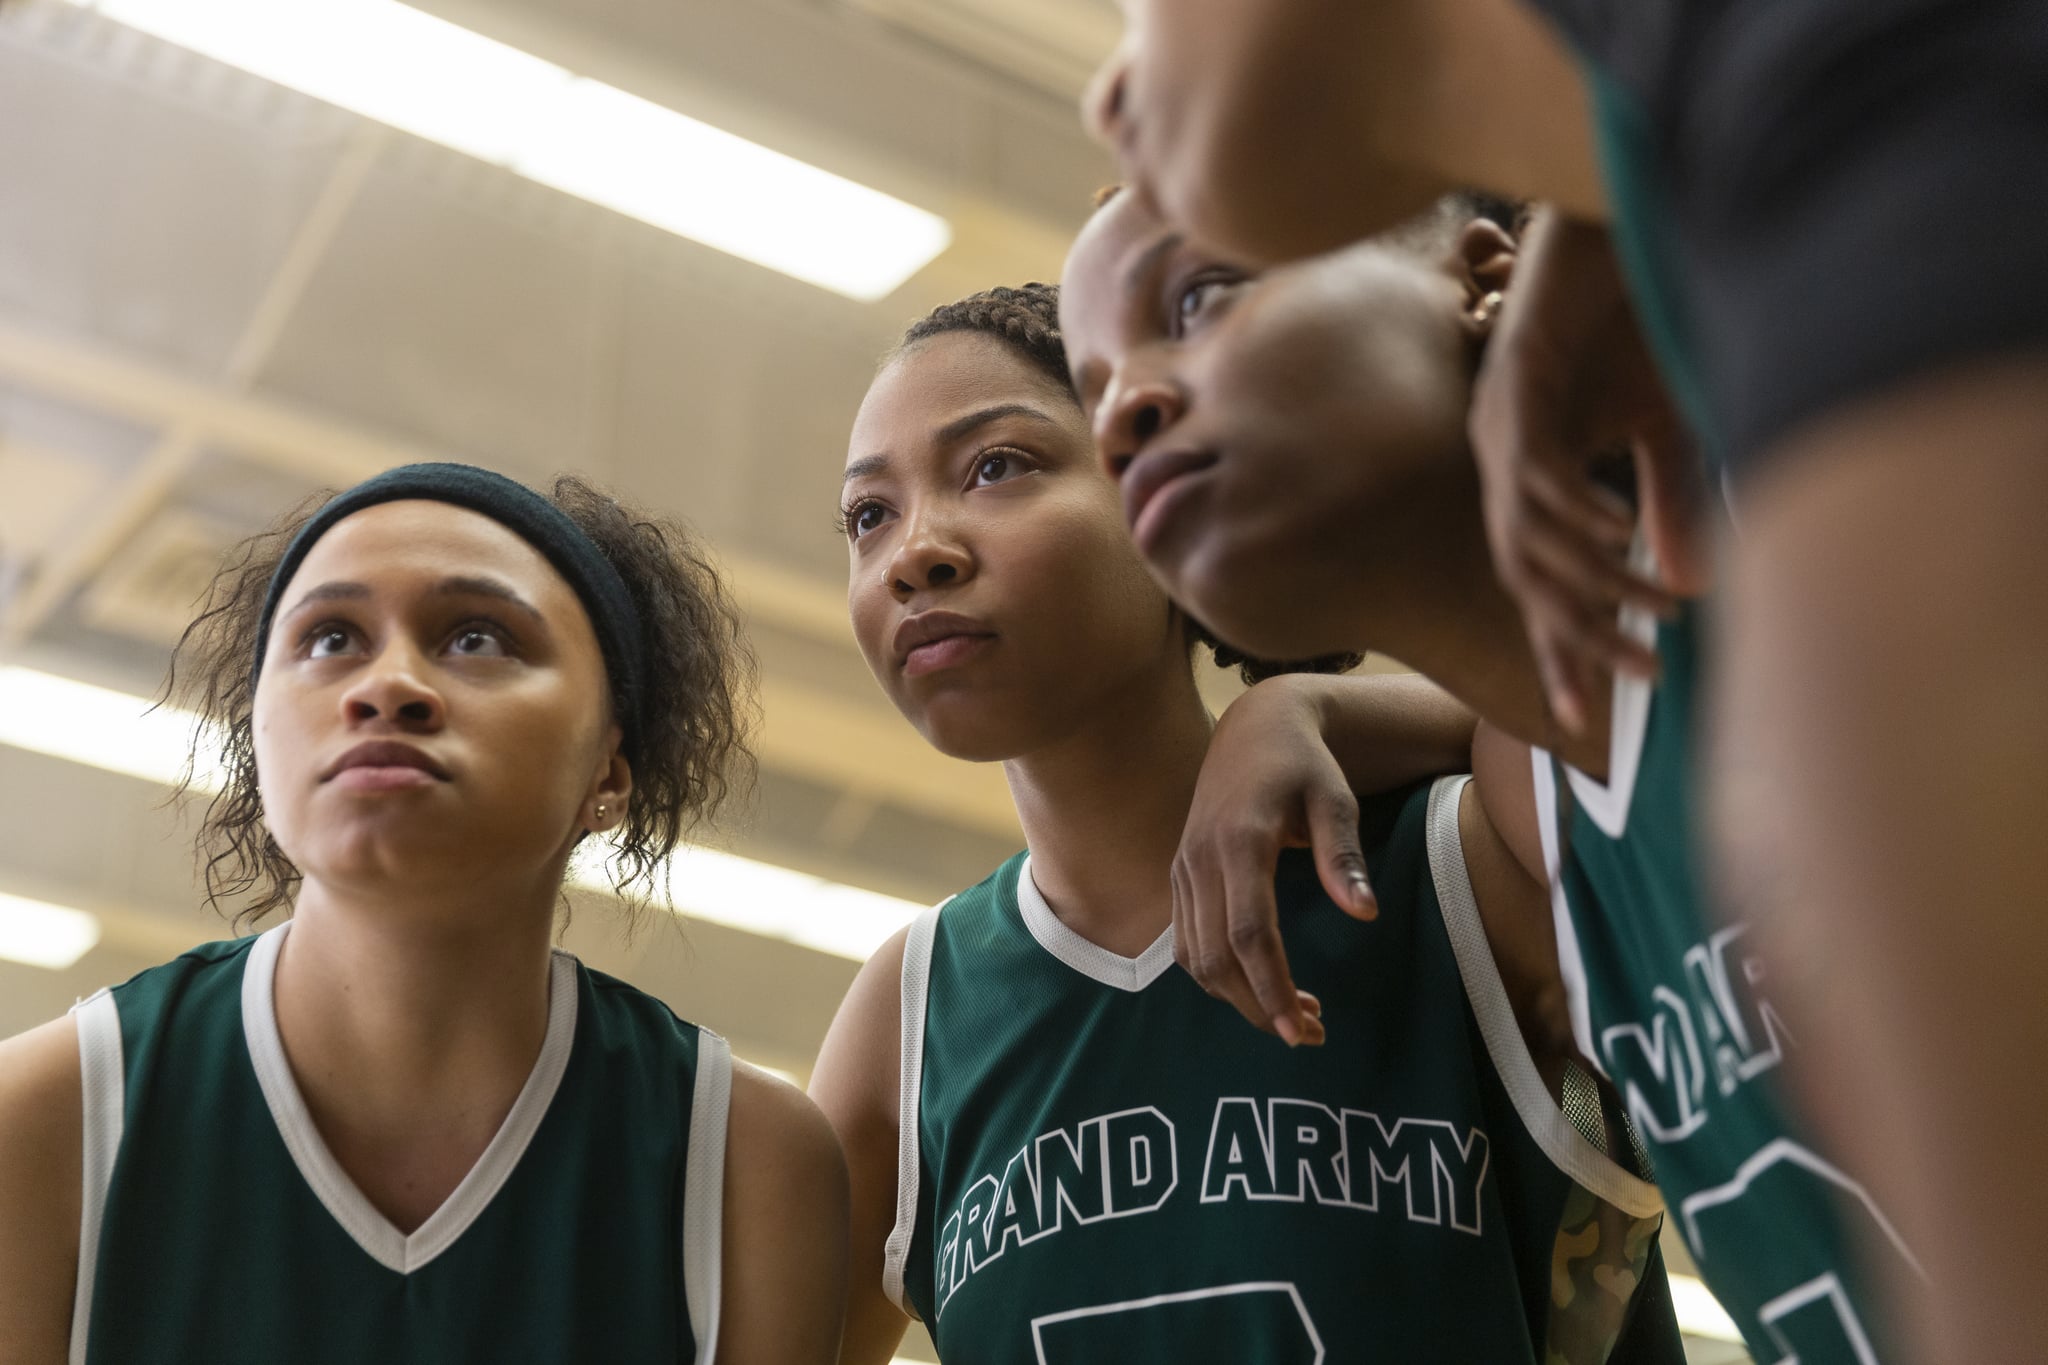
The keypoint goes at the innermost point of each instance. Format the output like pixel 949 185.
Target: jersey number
pixel 1265 1321
pixel 1814 1322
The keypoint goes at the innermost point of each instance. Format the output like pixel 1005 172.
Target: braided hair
pixel 1027 319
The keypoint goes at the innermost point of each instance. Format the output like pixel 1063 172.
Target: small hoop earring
pixel 1489 304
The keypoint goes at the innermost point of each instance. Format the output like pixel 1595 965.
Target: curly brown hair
pixel 1027 319
pixel 691 751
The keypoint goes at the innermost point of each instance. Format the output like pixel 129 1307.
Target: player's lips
pixel 932 640
pixel 384 765
pixel 1149 485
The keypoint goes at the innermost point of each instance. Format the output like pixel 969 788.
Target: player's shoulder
pixel 875 999
pixel 41 1142
pixel 771 1116
pixel 779 1141
pixel 40 1076
pixel 785 1222
pixel 858 1078
pixel 860 1048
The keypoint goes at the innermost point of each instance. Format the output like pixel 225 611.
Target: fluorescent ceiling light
pixel 1699 1313
pixel 431 78
pixel 92 725
pixel 775 902
pixel 119 732
pixel 44 935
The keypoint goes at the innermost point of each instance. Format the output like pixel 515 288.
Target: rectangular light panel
pixel 436 80
pixel 1699 1313
pixel 45 935
pixel 76 721
pixel 119 732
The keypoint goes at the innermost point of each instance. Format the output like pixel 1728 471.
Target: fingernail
pixel 1289 1031
pixel 1362 899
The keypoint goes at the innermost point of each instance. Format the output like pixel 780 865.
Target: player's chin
pixel 966 723
pixel 1248 600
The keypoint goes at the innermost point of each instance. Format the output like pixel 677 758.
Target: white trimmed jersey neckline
pixel 365 1225
pixel 1090 959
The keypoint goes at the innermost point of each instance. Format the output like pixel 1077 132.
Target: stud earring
pixel 1488 305
pixel 601 810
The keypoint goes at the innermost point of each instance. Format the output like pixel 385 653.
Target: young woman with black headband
pixel 400 1125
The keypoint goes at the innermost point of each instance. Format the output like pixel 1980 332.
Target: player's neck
pixel 1453 622
pixel 409 1044
pixel 1103 810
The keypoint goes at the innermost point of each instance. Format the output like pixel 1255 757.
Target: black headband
pixel 528 515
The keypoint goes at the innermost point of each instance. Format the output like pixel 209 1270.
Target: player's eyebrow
pixel 1140 271
pixel 864 466
pixel 981 417
pixel 455 585
pixel 330 592
pixel 462 585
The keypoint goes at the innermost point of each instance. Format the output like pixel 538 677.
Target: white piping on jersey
pixel 917 970
pixel 368 1228
pixel 1628 722
pixel 105 1081
pixel 1566 1147
pixel 1571 964
pixel 1091 960
pixel 704 1192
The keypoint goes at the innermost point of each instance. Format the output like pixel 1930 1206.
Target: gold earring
pixel 1488 305
pixel 600 810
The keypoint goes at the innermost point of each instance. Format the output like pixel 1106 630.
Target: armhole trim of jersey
pixel 917 966
pixel 704 1192
pixel 1566 1147
pixel 105 1083
pixel 1571 965
pixel 1608 803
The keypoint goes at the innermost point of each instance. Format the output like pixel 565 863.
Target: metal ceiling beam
pixel 285 437
pixel 143 492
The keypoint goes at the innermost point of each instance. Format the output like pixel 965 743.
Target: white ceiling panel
pixel 462 330
pixel 138 212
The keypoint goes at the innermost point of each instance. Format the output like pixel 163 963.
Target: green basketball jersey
pixel 218 1227
pixel 1100 1163
pixel 1676 1009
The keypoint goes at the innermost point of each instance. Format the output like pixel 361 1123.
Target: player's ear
pixel 611 785
pixel 1483 258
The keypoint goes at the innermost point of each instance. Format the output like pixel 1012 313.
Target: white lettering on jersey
pixel 1287 1150
pixel 1720 1028
pixel 1300 1151
pixel 1111 1166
